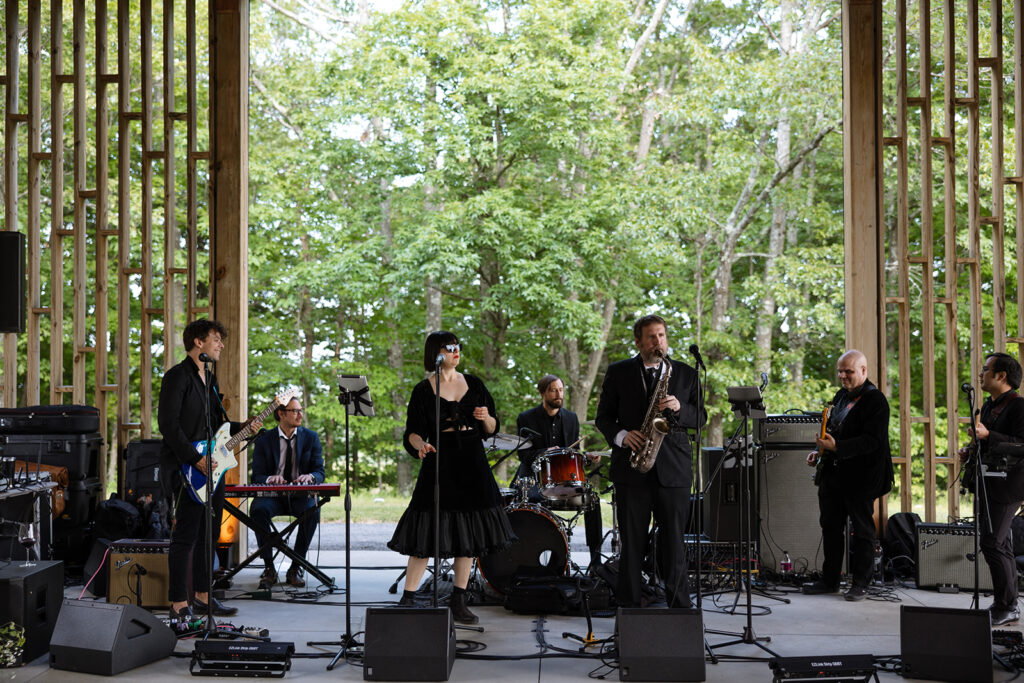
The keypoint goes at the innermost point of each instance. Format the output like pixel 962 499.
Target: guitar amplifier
pixel 790 429
pixel 139 566
pixel 942 557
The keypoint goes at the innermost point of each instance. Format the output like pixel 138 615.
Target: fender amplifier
pixel 137 572
pixel 944 554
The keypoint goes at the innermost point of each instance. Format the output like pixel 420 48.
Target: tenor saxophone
pixel 655 426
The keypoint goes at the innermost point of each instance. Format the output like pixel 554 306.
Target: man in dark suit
pixel 664 491
pixel 182 418
pixel 856 468
pixel 549 425
pixel 289 454
pixel 1001 421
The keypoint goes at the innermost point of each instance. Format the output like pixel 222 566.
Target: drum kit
pixel 559 484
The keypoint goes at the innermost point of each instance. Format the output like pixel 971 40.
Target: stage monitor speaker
pixel 31 598
pixel 660 644
pixel 142 470
pixel 942 557
pixel 789 508
pixel 408 644
pixel 724 495
pixel 139 565
pixel 944 644
pixel 13 303
pixel 104 639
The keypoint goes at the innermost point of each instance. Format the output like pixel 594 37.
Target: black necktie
pixel 288 459
pixel 652 381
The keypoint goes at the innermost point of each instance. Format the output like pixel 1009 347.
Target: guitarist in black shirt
pixel 855 469
pixel 1001 421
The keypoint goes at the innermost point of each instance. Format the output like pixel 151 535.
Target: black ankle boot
pixel 460 612
pixel 408 599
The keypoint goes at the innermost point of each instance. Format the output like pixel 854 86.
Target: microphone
pixel 966 387
pixel 529 431
pixel 764 381
pixel 204 358
pixel 695 352
pixel 439 360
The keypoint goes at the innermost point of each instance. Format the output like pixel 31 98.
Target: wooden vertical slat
pixel 1018 168
pixel 33 219
pixel 80 183
pixel 146 237
pixel 996 141
pixel 56 202
pixel 192 183
pixel 973 199
pixel 11 30
pixel 102 219
pixel 903 256
pixel 171 237
pixel 927 256
pixel 124 224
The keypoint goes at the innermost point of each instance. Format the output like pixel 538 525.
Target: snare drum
pixel 562 476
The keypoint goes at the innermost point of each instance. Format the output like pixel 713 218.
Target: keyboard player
pixel 289 454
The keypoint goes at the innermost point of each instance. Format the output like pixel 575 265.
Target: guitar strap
pixel 998 408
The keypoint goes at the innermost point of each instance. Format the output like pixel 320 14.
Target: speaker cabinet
pixel 13 303
pixel 408 644
pixel 138 573
pixel 943 644
pixel 725 495
pixel 142 470
pixel 942 557
pixel 660 644
pixel 788 507
pixel 31 597
pixel 99 638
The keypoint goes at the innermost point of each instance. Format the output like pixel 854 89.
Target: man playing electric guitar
pixel 856 469
pixel 182 420
pixel 1001 421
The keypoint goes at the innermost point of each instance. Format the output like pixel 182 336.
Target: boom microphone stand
pixel 980 494
pixel 746 402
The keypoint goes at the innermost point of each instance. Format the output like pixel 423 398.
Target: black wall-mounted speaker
pixel 104 639
pixel 660 644
pixel 13 303
pixel 409 644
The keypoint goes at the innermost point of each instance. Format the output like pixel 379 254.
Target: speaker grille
pixel 942 551
pixel 789 508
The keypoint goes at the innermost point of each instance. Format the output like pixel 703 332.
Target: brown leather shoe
pixel 268 578
pixel 294 577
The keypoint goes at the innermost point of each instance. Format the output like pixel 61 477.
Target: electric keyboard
pixel 261 490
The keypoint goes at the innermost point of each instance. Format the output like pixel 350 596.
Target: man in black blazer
pixel 856 468
pixel 289 454
pixel 664 490
pixel 1001 421
pixel 549 425
pixel 181 416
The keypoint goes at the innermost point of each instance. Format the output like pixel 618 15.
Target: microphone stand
pixel 980 494
pixel 437 475
pixel 698 555
pixel 211 625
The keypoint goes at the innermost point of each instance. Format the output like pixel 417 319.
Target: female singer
pixel 472 520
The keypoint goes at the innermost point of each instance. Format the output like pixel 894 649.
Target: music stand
pixel 746 403
pixel 354 394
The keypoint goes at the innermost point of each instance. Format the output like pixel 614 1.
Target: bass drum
pixel 541 550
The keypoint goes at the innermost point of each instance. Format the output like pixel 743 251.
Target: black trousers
pixel 836 506
pixel 188 539
pixel 997 546
pixel 263 510
pixel 670 508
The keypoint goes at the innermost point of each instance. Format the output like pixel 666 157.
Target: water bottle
pixel 785 564
pixel 877 567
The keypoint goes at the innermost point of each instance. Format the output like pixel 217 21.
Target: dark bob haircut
pixel 639 325
pixel 546 381
pixel 1004 362
pixel 200 329
pixel 435 341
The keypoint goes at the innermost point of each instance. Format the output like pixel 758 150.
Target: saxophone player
pixel 629 395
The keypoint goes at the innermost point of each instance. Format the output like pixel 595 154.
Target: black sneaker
pixel 856 593
pixel 819 588
pixel 219 608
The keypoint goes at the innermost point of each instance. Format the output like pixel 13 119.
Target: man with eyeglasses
pixel 289 454
pixel 1001 421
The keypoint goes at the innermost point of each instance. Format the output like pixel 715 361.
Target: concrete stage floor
pixel 809 625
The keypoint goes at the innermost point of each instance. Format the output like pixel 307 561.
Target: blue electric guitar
pixel 224 448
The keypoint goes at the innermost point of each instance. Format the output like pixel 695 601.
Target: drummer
pixel 549 425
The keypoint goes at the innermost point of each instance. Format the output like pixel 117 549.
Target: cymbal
pixel 600 454
pixel 588 423
pixel 507 442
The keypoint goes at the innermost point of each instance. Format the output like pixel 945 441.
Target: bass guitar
pixel 224 449
pixel 820 466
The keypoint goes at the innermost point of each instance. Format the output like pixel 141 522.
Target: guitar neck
pixel 247 430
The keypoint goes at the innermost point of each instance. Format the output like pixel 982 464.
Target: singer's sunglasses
pixel 452 348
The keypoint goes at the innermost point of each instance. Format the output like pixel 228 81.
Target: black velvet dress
pixel 473 522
